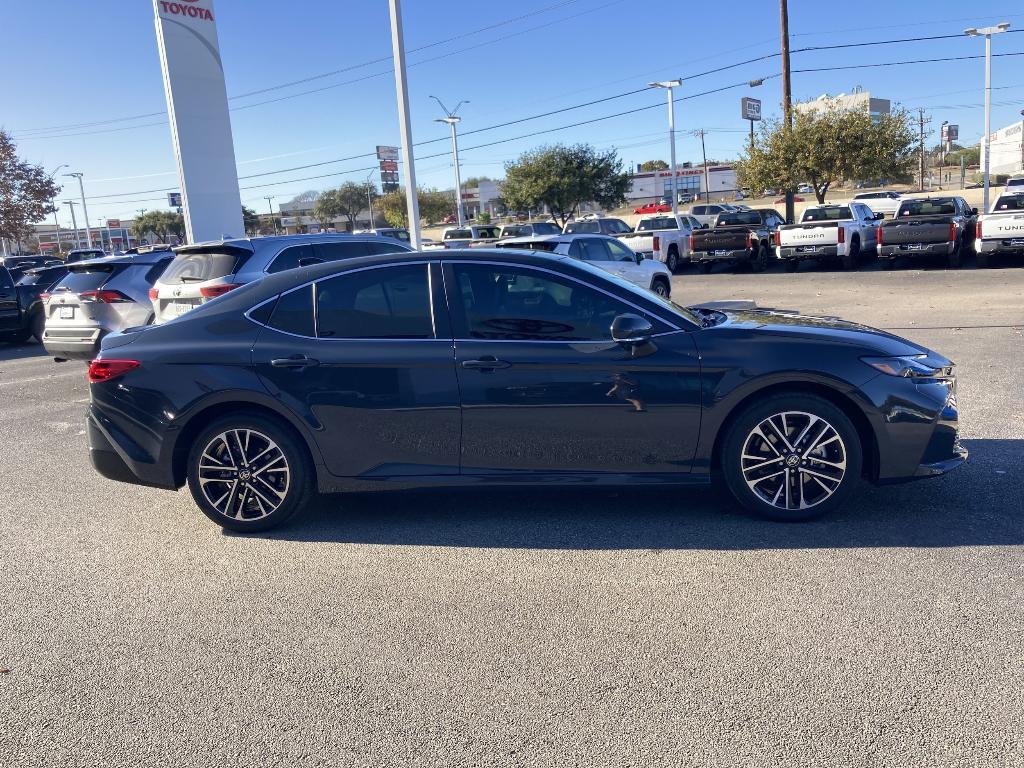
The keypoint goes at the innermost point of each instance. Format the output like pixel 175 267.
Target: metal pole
pixel 74 222
pixel 672 151
pixel 707 177
pixel 56 225
pixel 787 93
pixel 110 241
pixel 751 135
pixel 369 199
pixel 458 178
pixel 988 116
pixel 85 211
pixel 402 93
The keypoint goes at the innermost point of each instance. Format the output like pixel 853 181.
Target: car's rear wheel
pixel 791 457
pixel 38 325
pixel 954 258
pixel 672 259
pixel 851 257
pixel 248 473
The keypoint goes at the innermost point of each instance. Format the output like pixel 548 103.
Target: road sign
pixel 751 108
pixel 115 223
pixel 387 153
pixel 950 132
pixel 389 165
pixel 174 199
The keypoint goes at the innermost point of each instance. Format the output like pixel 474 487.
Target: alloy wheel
pixel 244 474
pixel 793 460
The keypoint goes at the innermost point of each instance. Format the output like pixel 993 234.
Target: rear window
pixel 827 214
pixel 520 230
pixel 582 227
pixel 927 208
pixel 88 278
pixel 458 234
pixel 544 245
pixel 487 232
pixel 742 217
pixel 1015 183
pixel 1010 203
pixel 546 228
pixel 197 267
pixel 653 225
pixel 42 276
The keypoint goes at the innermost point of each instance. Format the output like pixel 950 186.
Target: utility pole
pixel 920 122
pixel 270 207
pixel 412 203
pixel 704 154
pixel 369 199
pixel 787 92
pixel 668 85
pixel 452 121
pixel 74 223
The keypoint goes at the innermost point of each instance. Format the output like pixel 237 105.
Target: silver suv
pixel 97 297
pixel 206 270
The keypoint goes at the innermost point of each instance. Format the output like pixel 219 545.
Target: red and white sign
pixel 115 223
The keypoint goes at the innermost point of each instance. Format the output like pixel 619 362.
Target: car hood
pixel 825 329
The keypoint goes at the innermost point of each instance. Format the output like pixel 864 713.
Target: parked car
pixel 706 214
pixel 805 189
pixel 203 271
pixel 828 233
pixel 98 297
pixel 14 324
pixel 664 238
pixel 535 370
pixel 739 238
pixel 603 252
pixel 597 226
pixel 1014 184
pixel 528 229
pixel 18 265
pixel 885 202
pixel 84 254
pixel 1001 231
pixel 395 233
pixel 32 290
pixel 475 234
pixel 653 207
pixel 928 226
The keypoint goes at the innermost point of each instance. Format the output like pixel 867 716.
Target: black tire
pixel 672 259
pixel 954 259
pixel 661 287
pixel 37 325
pixel 984 260
pixel 852 256
pixel 18 337
pixel 298 487
pixel 823 496
pixel 792 265
pixel 759 263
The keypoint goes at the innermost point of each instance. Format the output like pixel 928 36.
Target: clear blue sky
pixel 85 62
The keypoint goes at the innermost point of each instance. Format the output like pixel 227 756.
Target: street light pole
pixel 787 92
pixel 452 121
pixel 412 203
pixel 987 32
pixel 74 222
pixel 85 211
pixel 668 85
pixel 369 199
pixel 56 223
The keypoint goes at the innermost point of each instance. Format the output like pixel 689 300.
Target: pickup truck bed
pixel 1001 232
pixel 927 234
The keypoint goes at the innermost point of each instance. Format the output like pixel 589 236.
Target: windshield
pixel 1009 203
pixel 516 230
pixel 740 217
pixel 197 267
pixel 546 228
pixel 652 225
pixel 827 214
pixel 582 226
pixel 487 232
pixel 541 245
pixel 927 208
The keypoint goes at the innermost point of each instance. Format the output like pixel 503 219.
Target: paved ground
pixel 560 629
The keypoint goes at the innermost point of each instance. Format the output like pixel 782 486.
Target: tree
pixel 26 192
pixel 654 165
pixel 326 209
pixel 309 196
pixel 434 206
pixel 392 205
pixel 562 178
pixel 971 155
pixel 828 146
pixel 162 224
pixel 251 220
pixel 175 223
pixel 474 181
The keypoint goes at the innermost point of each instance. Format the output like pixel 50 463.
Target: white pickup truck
pixel 828 233
pixel 663 237
pixel 1001 231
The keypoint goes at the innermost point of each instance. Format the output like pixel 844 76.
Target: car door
pixel 624 263
pixel 365 359
pixel 544 388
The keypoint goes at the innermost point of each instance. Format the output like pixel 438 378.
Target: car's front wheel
pixel 661 286
pixel 791 457
pixel 249 473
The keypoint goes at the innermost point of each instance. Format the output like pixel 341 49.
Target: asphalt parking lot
pixel 531 628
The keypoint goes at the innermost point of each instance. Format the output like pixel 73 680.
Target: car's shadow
pixel 978 504
pixel 22 351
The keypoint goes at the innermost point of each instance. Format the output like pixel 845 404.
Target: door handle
pixel 485 364
pixel 295 361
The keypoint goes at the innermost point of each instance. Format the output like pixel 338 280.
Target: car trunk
pixel 916 230
pixel 191 278
pixel 80 304
pixel 814 233
pixel 721 239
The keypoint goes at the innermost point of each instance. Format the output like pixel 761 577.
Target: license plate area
pixel 720 253
pixel 66 313
pixel 181 306
pixel 915 247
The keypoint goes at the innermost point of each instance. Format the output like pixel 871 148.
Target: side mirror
pixel 879 216
pixel 639 257
pixel 631 329
pixel 974 211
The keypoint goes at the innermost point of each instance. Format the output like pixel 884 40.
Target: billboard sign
pixel 197 108
pixel 950 132
pixel 751 108
pixel 389 165
pixel 113 223
pixel 387 153
pixel 174 199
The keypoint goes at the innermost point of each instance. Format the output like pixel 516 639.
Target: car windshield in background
pixel 578 227
pixel 88 278
pixel 520 230
pixel 740 218
pixel 546 228
pixel 200 266
pixel 827 214
pixel 458 234
pixel 652 225
pixel 1010 203
pixel 927 208
pixel 489 232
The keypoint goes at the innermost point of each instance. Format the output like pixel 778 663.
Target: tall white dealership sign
pixel 197 104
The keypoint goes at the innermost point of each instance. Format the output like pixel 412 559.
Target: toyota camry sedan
pixel 489 367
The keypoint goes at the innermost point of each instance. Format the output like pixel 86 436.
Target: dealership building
pixel 858 100
pixel 721 183
pixel 1007 148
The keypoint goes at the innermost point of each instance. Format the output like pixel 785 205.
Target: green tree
pixel 326 208
pixel 971 155
pixel 175 223
pixel 654 165
pixel 392 206
pixel 26 192
pixel 251 220
pixel 825 147
pixel 434 206
pixel 562 178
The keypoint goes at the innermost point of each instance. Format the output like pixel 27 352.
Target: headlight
pixel 908 367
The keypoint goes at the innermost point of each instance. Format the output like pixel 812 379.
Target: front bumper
pixel 915 249
pixel 807 252
pixel 73 343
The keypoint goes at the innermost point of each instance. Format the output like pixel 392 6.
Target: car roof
pixel 250 243
pixel 129 258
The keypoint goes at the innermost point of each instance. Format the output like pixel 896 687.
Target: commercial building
pixel 844 102
pixel 485 197
pixel 117 237
pixel 720 178
pixel 1007 147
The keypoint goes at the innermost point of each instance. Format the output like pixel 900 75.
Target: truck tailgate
pixel 724 239
pixel 641 242
pixel 917 230
pixel 812 233
pixel 1002 227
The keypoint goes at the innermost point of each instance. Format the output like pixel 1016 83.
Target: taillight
pixel 879 234
pixel 689 243
pixel 657 242
pixel 750 240
pixel 977 229
pixel 778 237
pixel 842 235
pixel 952 232
pixel 154 294
pixel 105 297
pixel 44 296
pixel 213 291
pixel 105 370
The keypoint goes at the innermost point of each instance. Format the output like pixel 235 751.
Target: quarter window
pixel 384 303
pixel 293 312
pixel 517 303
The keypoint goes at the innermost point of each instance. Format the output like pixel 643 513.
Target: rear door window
pixel 200 266
pixel 384 303
pixel 5 279
pixel 89 278
pixel 347 250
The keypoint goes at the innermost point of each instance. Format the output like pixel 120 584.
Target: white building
pixel 844 102
pixel 650 184
pixel 1007 147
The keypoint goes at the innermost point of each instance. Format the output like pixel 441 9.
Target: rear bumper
pixel 915 249
pixel 996 247
pixel 744 254
pixel 115 456
pixel 73 343
pixel 807 252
